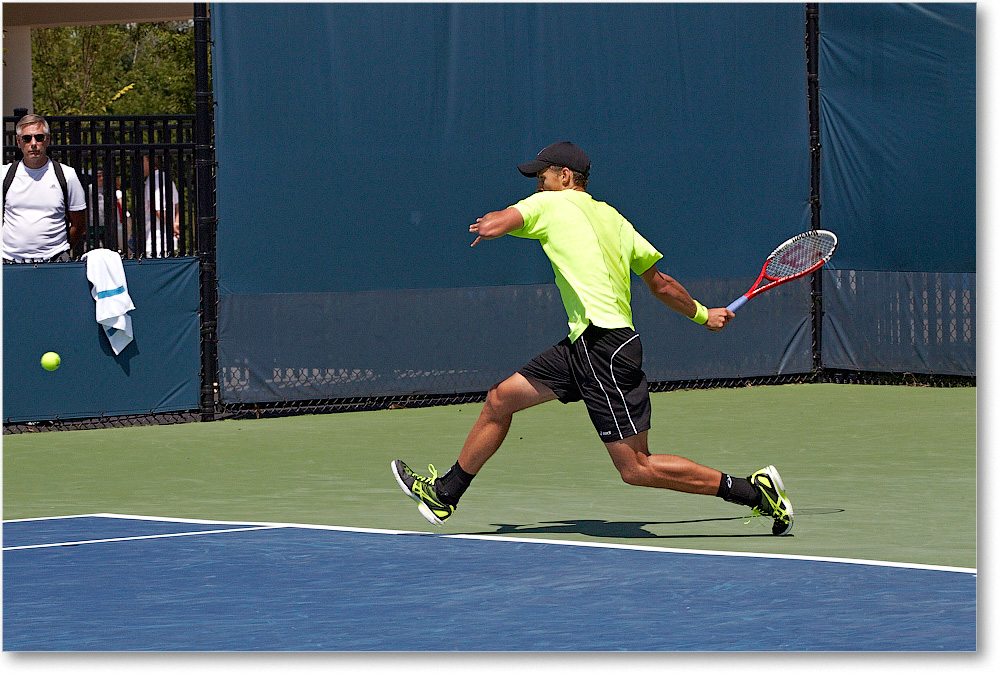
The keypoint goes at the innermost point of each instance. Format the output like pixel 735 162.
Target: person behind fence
pixel 157 202
pixel 44 210
pixel 109 222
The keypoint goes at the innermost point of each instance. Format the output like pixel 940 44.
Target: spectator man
pixel 44 215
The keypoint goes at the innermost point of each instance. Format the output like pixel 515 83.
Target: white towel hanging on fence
pixel 106 275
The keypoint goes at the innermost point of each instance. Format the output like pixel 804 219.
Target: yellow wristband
pixel 700 313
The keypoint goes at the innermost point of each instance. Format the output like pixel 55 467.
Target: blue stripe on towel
pixel 108 294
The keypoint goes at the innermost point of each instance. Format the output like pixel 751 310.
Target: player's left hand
pixel 474 229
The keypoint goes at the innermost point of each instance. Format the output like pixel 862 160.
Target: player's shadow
pixel 606 529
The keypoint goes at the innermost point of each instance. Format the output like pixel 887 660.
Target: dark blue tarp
pixel 357 142
pixel 50 308
pixel 352 344
pixel 900 322
pixel 898 93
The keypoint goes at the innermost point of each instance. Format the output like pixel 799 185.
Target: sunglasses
pixel 38 137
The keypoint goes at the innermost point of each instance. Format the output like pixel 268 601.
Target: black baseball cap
pixel 563 153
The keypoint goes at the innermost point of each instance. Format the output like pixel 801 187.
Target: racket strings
pixel 800 254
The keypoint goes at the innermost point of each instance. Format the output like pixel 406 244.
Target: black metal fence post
pixel 18 114
pixel 815 150
pixel 206 219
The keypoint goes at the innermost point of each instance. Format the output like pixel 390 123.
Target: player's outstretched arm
pixel 496 224
pixel 671 293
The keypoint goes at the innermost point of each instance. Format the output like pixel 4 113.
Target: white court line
pixel 250 525
pixel 136 538
pixel 80 515
pixel 732 554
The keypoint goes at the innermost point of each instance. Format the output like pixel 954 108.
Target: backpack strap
pixel 61 177
pixel 9 178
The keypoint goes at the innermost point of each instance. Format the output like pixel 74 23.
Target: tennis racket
pixel 797 257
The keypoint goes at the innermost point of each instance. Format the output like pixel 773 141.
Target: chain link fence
pixel 244 411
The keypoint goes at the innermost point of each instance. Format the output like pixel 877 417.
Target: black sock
pixel 451 486
pixel 738 491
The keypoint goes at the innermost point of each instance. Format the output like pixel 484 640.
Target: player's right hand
pixel 718 317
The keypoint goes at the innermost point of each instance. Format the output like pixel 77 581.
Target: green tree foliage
pixel 129 69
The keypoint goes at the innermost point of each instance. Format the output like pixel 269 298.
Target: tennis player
pixel 592 249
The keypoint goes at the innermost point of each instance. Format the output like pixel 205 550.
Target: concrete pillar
pixel 17 69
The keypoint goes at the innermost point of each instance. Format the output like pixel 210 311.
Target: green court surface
pixel 874 472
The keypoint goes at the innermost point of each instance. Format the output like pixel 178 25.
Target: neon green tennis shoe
pixel 421 490
pixel 773 501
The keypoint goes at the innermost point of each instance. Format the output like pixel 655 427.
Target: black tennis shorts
pixel 603 368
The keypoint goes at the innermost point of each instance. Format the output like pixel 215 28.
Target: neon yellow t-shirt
pixel 592 248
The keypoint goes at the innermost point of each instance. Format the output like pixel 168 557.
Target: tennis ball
pixel 50 360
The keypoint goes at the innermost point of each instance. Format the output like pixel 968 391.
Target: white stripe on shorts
pixel 591 364
pixel 620 392
pixel 611 365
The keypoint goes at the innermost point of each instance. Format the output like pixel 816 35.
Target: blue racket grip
pixel 737 303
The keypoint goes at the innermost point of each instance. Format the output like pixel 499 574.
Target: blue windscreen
pixel 357 142
pixel 898 92
pixel 51 308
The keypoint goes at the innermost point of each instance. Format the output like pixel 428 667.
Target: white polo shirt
pixel 34 216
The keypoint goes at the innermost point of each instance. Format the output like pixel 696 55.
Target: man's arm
pixel 669 291
pixel 496 224
pixel 77 227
